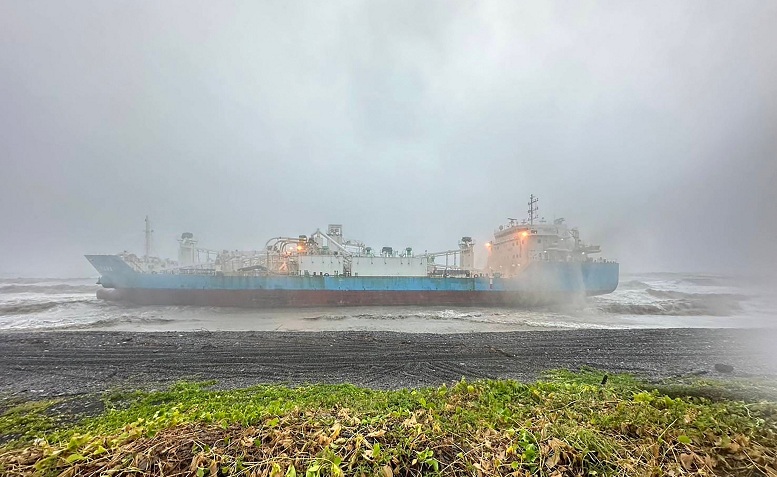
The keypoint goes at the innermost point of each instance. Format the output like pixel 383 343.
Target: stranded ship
pixel 529 262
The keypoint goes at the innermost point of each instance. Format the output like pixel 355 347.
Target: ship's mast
pixel 148 239
pixel 532 208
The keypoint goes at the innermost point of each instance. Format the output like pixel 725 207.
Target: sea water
pixel 651 300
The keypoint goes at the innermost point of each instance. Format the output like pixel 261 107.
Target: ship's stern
pixel 600 278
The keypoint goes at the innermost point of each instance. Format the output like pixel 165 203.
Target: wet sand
pixel 77 362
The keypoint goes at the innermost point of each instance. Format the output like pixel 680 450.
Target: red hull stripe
pixel 325 298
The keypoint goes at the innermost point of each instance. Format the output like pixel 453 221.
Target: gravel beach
pixel 75 362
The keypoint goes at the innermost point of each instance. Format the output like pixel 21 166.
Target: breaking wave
pixel 431 315
pixel 706 281
pixel 678 304
pixel 565 325
pixel 676 295
pixel 120 320
pixel 49 289
pixel 27 308
pixel 37 307
pixel 47 303
pixel 508 319
pixel 45 280
pixel 327 318
pixel 633 285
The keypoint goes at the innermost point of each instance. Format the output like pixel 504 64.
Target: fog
pixel 651 126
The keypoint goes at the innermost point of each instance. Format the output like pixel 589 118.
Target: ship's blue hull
pixel 540 283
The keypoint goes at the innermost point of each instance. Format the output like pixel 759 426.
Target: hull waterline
pixel 539 285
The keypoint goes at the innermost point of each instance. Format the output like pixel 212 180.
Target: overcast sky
pixel 650 125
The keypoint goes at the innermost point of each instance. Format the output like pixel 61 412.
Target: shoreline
pixel 59 363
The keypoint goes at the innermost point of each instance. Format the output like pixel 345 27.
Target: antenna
pixel 532 208
pixel 148 238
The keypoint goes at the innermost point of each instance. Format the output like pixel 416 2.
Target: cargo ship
pixel 529 262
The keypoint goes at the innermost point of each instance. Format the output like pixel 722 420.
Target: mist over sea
pixel 654 300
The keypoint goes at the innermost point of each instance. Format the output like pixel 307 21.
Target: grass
pixel 566 424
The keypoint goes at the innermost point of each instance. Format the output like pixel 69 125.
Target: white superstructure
pixel 384 266
pixel 515 245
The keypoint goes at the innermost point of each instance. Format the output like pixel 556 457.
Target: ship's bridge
pixel 516 245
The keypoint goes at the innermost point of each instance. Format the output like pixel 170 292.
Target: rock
pixel 724 368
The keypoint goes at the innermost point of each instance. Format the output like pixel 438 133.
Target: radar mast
pixel 532 208
pixel 148 239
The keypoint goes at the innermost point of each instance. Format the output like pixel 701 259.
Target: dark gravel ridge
pixel 56 363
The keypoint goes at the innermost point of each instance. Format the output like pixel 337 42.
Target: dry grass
pixel 565 426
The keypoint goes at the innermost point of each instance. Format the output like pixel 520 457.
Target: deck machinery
pixel 529 262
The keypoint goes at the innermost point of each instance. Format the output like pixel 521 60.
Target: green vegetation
pixel 567 424
pixel 24 421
